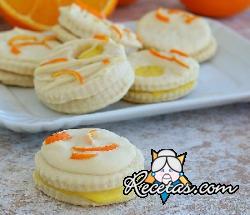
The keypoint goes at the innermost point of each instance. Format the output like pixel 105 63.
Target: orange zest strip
pixel 92 133
pixel 96 149
pixel 159 55
pixel 117 30
pixel 174 11
pixel 175 51
pixel 127 30
pixel 15 49
pixel 190 18
pixel 102 37
pixel 21 37
pixel 56 60
pixel 57 137
pixel 161 16
pixel 79 156
pixel 73 73
pixel 106 61
pixel 180 62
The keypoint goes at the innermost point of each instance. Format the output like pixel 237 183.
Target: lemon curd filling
pixel 101 197
pixel 149 71
pixel 91 51
pixel 185 87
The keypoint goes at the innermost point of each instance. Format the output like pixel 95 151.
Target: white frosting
pixel 173 76
pixel 31 53
pixel 58 154
pixel 175 34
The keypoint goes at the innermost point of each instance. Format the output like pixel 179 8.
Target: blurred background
pixel 41 14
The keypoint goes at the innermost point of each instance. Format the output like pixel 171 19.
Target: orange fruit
pixel 125 2
pixel 216 8
pixel 42 14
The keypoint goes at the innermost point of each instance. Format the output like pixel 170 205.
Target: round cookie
pixel 95 162
pixel 82 76
pixel 21 51
pixel 176 29
pixel 83 24
pixel 161 76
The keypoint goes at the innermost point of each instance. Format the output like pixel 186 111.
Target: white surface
pixel 224 80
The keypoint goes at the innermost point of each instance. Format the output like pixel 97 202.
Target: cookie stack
pixel 95 162
pixel 75 23
pixel 84 75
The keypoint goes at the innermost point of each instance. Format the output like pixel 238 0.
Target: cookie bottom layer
pixel 13 79
pixel 82 198
pixel 159 96
pixel 206 53
pixel 97 102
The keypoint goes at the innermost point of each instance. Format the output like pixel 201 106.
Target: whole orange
pixel 125 2
pixel 216 8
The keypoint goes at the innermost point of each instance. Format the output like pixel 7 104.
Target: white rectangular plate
pixel 224 80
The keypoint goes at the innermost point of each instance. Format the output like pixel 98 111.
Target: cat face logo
pixel 167 169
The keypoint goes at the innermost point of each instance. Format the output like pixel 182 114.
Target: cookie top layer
pixel 86 25
pixel 165 29
pixel 162 70
pixel 24 45
pixel 80 69
pixel 88 151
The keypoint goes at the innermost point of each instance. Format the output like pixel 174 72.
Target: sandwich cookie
pixel 162 76
pixel 166 29
pixel 83 76
pixel 21 51
pixel 78 22
pixel 86 166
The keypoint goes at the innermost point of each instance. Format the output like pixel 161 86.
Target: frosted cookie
pixel 162 76
pixel 83 24
pixel 83 76
pixel 166 29
pixel 63 34
pixel 20 53
pixel 95 162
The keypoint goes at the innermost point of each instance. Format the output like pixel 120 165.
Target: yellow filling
pixel 90 51
pixel 100 197
pixel 149 71
pixel 159 93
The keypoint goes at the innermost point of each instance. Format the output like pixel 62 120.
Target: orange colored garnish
pixel 106 61
pixel 159 55
pixel 42 14
pixel 80 156
pixel 89 137
pixel 92 133
pixel 21 37
pixel 127 30
pixel 102 37
pixel 161 16
pixel 56 60
pixel 57 137
pixel 117 30
pixel 15 47
pixel 96 149
pixel 175 51
pixel 190 18
pixel 73 73
pixel 174 11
